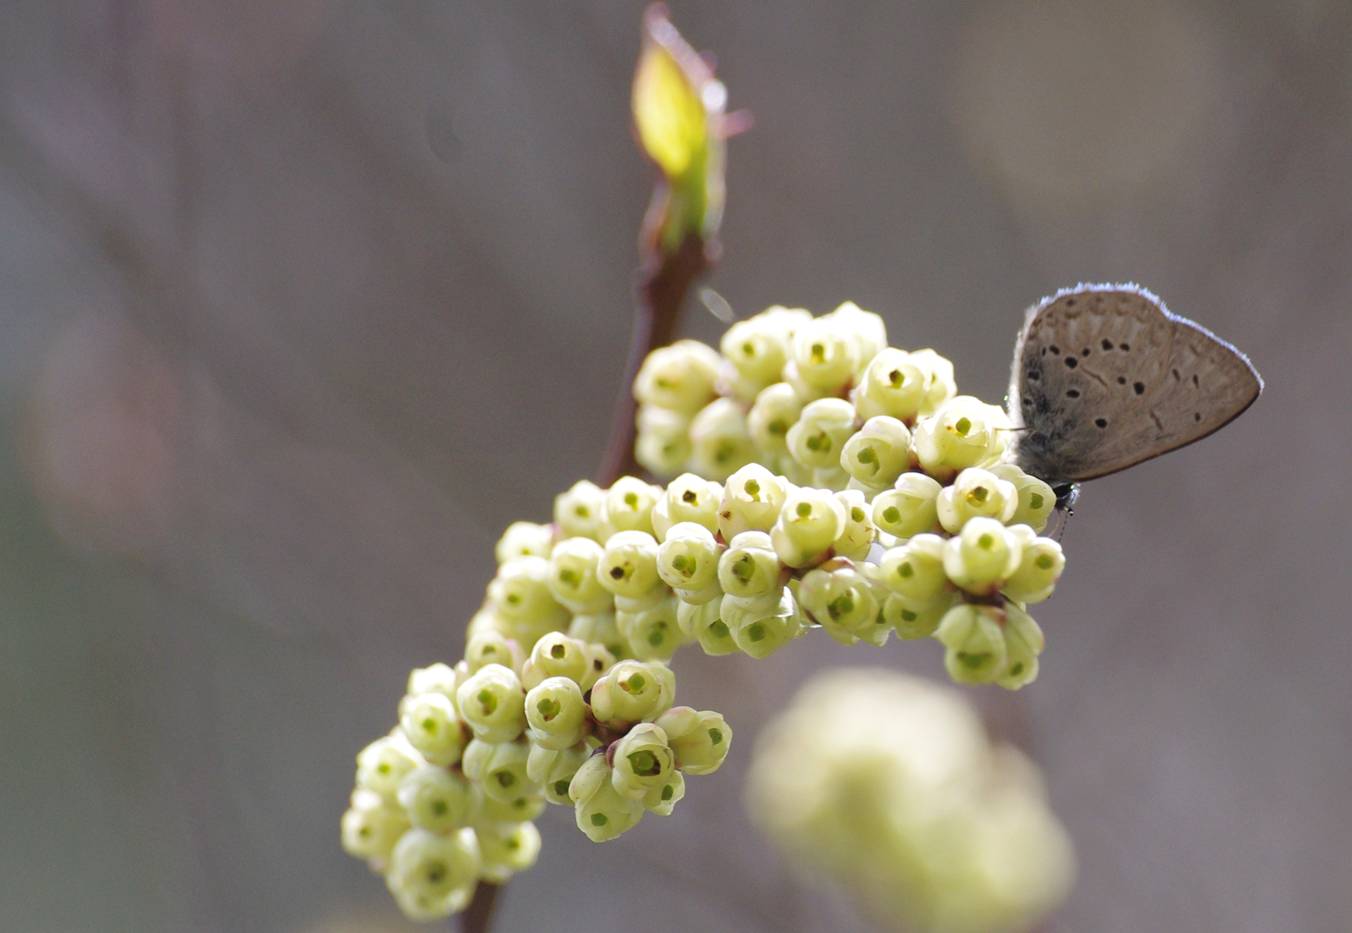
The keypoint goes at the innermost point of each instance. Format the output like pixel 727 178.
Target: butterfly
pixel 1105 377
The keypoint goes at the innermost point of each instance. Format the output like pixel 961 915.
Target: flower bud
pixel 579 511
pixel 687 559
pixel 652 632
pixel 641 761
pixel 750 566
pixel 372 826
pixel 506 848
pixel 758 348
pixel 490 647
pixel 520 595
pixel 553 769
pixel 492 703
pixel 856 540
pixel 688 499
pixel 599 660
pixel 527 806
pixel 842 601
pixel 865 330
pixel 752 498
pixel 633 691
pixel 502 772
pixel 892 385
pixel 909 508
pixel 878 452
pixel 761 630
pixel 383 764
pixel 1040 566
pixel 974 641
pixel 663 453
pixel 915 569
pixel 438 799
pixel 430 724
pixel 663 798
pixel 628 565
pixel 976 493
pixel 572 576
pixel 556 713
pixel 699 738
pixel 428 871
pixel 963 432
pixel 680 377
pixel 982 557
pixel 819 435
pixel 719 440
pixel 775 410
pixel 704 624
pixel 911 618
pixel 555 655
pixel 808 525
pixel 1023 643
pixel 435 678
pixel 628 506
pixel 938 375
pixel 524 539
pixel 602 813
pixel 599 629
pixel 823 356
pixel 1037 501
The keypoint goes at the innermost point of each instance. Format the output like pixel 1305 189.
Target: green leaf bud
pixel 506 848
pixel 628 506
pixel 492 703
pixel 438 799
pixel 910 507
pixel 704 624
pixel 856 540
pixel 572 576
pixel 974 643
pixel 524 539
pixel 602 814
pixel 431 725
pixel 628 565
pixel 652 633
pixel 663 798
pixel 578 513
pixel 808 525
pixel 775 410
pixel 556 713
pixel 633 691
pixel 371 826
pixel 963 432
pixel 555 655
pixel 752 498
pixel 688 498
pixel 750 566
pixel 976 493
pixel 720 441
pixel 687 559
pixel 680 377
pixel 383 764
pixel 818 437
pixel 553 769
pixel 641 761
pixel 1040 565
pixel 699 738
pixel 1037 501
pixel 878 452
pixel 982 557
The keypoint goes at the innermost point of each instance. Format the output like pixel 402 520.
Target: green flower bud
pixel 700 738
pixel 663 798
pixel 524 539
pixel 823 358
pixel 878 453
pixel 775 410
pixel 688 499
pixel 982 557
pixel 963 432
pixel 628 565
pixel 687 559
pixel 520 595
pixel 579 511
pixel 555 655
pixel 553 769
pixel 427 869
pixel 915 569
pixel 506 848
pixel 492 703
pixel 720 440
pixel 976 493
pixel 912 618
pixel 1040 566
pixel 628 506
pixel 857 539
pixel 865 329
pixel 520 809
pixel 760 633
pixel 758 348
pixel 500 768
pixel 641 761
pixel 680 377
pixel 602 814
pixel 1037 501
pixel 430 724
pixel 750 566
pixel 372 826
pixel 818 437
pixel 938 375
pixel 892 385
pixel 842 601
pixel 704 624
pixel 752 498
pixel 572 576
pixel 437 799
pixel 633 691
pixel 599 629
pixel 909 508
pixel 808 525
pixel 556 713
pixel 974 641
pixel 652 633
pixel 489 647
pixel 383 764
pixel 1024 641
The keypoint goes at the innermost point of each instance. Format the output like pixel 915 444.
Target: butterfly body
pixel 1105 377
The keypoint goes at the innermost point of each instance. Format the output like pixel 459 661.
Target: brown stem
pixel 664 282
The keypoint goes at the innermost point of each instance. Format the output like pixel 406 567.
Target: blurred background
pixel 304 302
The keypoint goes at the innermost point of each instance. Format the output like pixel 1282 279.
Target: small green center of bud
pixel 599 819
pixel 561 788
pixel 1035 500
pixel 752 488
pixel 856 514
pixel 1044 562
pixel 867 456
pixel 631 499
pixel 748 349
pixel 658 634
pixel 895 378
pixel 715 736
pixel 429 725
pixel 755 631
pixel 718 628
pixel 744 568
pixel 549 708
pixel 634 683
pixel 668 792
pixel 985 542
pixel 558 651
pixel 505 778
pixel 818 353
pixel 778 426
pixel 819 442
pixel 978 495
pixel 617 573
pixel 436 871
pixel 439 807
pixel 841 605
pixel 689 497
pixel 908 616
pixel 645 764
pixel 1016 669
pixel 963 426
pixel 683 565
pixel 906 571
pixel 569 578
pixel 803 510
pixel 513 599
pixel 582 511
pixel 487 702
pixel 974 660
pixel 892 514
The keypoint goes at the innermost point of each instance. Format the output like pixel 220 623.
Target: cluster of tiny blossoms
pixel 887 785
